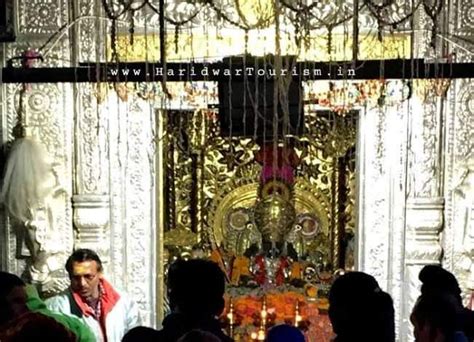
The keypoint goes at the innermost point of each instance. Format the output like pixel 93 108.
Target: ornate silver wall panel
pixel 91 142
pixel 90 30
pixel 140 208
pixel 424 221
pixel 424 152
pixel 114 194
pixel 397 124
pixel 463 18
pixel 4 239
pixel 58 56
pixel 8 117
pixel 381 224
pixel 132 207
pixel 424 206
pixel 114 189
pixel 400 146
pixel 41 17
pixel 458 184
pixel 372 254
pixel 114 201
pixel 450 133
pixel 48 115
pixel 91 222
pixel 9 243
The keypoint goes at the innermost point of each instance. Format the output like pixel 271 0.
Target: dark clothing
pixel 467 323
pixel 175 326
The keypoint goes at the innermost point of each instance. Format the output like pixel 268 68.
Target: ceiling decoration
pixel 298 19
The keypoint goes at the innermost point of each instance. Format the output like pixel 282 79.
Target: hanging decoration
pixel 30 187
pixel 298 18
pixel 24 189
pixel 343 97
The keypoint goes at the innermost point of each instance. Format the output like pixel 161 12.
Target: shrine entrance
pixel 278 216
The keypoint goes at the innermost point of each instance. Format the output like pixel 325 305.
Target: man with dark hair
pixel 108 312
pixel 196 295
pixel 21 307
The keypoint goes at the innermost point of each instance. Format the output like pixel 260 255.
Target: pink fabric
pixel 284 173
pixel 29 63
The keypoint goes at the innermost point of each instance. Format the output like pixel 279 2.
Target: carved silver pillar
pixel 90 31
pixel 160 176
pixel 458 182
pixel 459 185
pixel 425 204
pixel 382 150
pixel 91 221
pixel 91 199
pixel 424 221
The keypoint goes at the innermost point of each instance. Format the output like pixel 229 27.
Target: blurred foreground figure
pixel 435 318
pixel 196 295
pixel 443 286
pixel 32 326
pixel 23 314
pixel 283 333
pixel 360 311
pixel 199 336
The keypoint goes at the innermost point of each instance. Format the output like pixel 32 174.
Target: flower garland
pixel 282 306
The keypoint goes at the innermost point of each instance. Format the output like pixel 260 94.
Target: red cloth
pixel 281 156
pixel 261 273
pixel 280 273
pixel 278 163
pixel 108 298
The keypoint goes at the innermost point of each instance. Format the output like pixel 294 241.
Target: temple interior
pixel 289 141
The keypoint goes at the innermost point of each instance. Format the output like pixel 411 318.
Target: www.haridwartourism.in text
pixel 230 72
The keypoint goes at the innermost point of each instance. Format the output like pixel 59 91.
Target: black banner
pixel 155 72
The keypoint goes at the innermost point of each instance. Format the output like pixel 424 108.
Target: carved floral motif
pixel 460 128
pixel 42 16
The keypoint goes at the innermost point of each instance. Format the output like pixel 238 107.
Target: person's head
pixel 199 336
pixel 436 280
pixel 359 309
pixel 283 333
pixel 12 297
pixel 196 288
pixel 85 270
pixel 34 326
pixel 140 334
pixel 435 317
